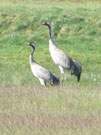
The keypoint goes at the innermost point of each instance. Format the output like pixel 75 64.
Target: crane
pixel 43 74
pixel 62 60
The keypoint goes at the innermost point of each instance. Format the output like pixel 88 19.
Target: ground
pixel 60 110
pixel 25 106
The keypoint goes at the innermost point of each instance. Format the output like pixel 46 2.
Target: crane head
pixel 46 23
pixel 32 44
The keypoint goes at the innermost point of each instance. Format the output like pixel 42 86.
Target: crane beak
pixel 43 23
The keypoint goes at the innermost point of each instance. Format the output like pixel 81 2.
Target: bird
pixel 43 74
pixel 62 60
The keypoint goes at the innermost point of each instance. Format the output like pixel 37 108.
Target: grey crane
pixel 62 60
pixel 40 72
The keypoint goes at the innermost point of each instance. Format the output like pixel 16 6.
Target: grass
pixel 77 28
pixel 45 111
pixel 27 108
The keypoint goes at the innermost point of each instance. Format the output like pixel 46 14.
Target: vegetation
pixel 77 28
pixel 35 110
pixel 25 107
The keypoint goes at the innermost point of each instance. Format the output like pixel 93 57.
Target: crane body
pixel 43 74
pixel 62 60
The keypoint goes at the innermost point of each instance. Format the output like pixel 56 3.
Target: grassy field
pixel 26 108
pixel 36 110
pixel 78 30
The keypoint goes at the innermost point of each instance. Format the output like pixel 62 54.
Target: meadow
pixel 25 106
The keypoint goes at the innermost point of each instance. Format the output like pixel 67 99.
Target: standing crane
pixel 40 72
pixel 62 60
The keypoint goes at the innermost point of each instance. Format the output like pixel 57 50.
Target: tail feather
pixel 76 69
pixel 55 80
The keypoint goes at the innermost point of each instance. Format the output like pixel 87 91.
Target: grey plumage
pixel 62 60
pixel 40 72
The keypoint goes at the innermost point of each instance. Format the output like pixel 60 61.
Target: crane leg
pixel 43 83
pixel 62 74
pixel 65 76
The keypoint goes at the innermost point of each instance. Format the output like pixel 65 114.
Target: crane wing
pixel 40 71
pixel 60 58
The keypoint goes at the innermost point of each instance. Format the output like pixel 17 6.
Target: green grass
pixel 26 108
pixel 78 30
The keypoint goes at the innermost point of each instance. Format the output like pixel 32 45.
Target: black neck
pixel 51 33
pixel 50 30
pixel 32 54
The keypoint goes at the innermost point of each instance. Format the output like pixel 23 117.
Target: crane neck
pixel 51 35
pixel 50 31
pixel 52 42
pixel 31 59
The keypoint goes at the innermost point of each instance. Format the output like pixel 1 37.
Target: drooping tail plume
pixel 55 80
pixel 76 69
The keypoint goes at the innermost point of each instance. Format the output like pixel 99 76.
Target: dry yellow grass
pixel 37 110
